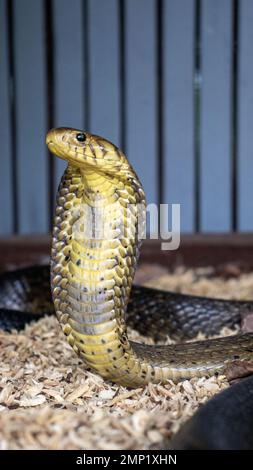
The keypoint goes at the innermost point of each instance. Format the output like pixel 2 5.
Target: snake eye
pixel 81 137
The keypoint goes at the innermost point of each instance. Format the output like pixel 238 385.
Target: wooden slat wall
pixel 178 57
pixel 69 69
pixel 245 118
pixel 30 104
pixel 104 56
pixel 140 76
pixel 6 194
pixel 170 81
pixel 215 122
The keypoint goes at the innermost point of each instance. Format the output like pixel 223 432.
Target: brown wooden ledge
pixel 195 250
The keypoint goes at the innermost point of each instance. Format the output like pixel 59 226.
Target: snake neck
pixel 95 249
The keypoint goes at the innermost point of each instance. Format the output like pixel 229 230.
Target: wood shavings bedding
pixel 48 400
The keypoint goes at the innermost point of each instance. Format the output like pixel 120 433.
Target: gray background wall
pixel 170 81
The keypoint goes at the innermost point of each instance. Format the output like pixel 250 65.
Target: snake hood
pixel 89 151
pixel 93 263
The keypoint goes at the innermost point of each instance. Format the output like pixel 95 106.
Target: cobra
pixel 92 276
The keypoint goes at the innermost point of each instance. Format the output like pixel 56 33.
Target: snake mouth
pixel 64 150
pixel 57 149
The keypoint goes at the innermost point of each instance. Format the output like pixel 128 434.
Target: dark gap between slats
pixel 13 116
pixel 197 110
pixel 234 111
pixel 50 80
pixel 122 74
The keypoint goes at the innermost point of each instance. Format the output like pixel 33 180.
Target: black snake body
pixel 25 297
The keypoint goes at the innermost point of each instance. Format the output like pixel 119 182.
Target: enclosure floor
pixel 49 401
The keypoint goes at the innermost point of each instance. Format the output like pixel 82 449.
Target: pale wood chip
pixel 27 401
pixel 106 394
pixel 53 393
pixel 125 395
pixel 5 393
pixel 79 392
pixel 34 390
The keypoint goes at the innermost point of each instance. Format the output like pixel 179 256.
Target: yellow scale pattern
pixel 95 250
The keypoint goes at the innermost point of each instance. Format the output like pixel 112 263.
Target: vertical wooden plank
pixel 141 102
pixel 31 115
pixel 215 135
pixel 6 214
pixel 178 108
pixel 69 68
pixel 104 83
pixel 245 118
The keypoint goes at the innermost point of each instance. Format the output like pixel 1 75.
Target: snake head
pixel 86 150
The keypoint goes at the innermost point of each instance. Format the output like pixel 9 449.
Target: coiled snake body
pixel 93 263
pixel 92 270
